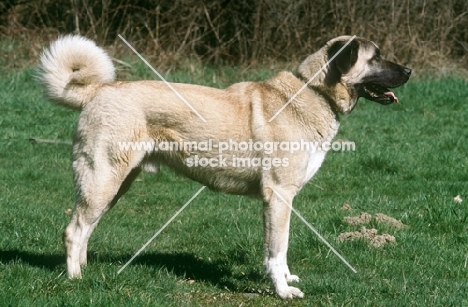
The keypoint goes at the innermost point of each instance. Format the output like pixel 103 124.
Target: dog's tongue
pixel 391 94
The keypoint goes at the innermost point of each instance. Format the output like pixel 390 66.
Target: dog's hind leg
pixel 99 187
pixel 276 215
pixel 123 189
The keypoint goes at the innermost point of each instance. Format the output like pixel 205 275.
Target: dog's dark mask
pixel 388 75
pixel 383 74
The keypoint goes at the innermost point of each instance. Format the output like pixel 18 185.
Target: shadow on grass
pixel 183 265
pixel 49 262
pixel 189 266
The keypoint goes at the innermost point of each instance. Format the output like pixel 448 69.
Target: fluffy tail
pixel 70 67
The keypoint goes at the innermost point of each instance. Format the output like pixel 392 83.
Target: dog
pixel 285 109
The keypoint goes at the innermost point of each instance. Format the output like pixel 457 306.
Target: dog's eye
pixel 377 57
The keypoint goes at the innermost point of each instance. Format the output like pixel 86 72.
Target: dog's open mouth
pixel 378 93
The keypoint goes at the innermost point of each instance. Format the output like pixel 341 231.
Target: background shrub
pixel 424 33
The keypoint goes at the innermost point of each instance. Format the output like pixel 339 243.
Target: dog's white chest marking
pixel 315 160
pixel 317 154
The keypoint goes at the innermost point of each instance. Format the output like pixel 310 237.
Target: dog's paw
pixel 290 293
pixel 74 271
pixel 74 275
pixel 292 278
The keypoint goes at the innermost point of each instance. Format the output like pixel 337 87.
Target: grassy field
pixel 410 162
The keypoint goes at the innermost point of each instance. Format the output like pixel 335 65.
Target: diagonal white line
pixel 160 230
pixel 162 78
pixel 315 231
pixel 310 80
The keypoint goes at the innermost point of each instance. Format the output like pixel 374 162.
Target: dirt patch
pixel 369 235
pixel 366 218
pixel 346 207
pixel 387 220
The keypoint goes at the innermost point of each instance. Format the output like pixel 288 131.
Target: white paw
pixel 289 293
pixel 292 278
pixel 73 271
pixel 74 275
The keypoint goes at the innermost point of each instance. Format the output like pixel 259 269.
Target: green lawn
pixel 410 162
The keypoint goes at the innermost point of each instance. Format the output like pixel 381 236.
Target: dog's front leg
pixel 276 216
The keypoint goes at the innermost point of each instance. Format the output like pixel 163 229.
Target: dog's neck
pixel 336 94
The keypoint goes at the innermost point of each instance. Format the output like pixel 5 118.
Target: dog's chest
pixel 318 151
pixel 314 163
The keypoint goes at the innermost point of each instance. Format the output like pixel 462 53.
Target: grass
pixel 410 162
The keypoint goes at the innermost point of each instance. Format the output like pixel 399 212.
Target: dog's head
pixel 352 68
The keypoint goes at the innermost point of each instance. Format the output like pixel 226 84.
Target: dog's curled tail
pixel 70 67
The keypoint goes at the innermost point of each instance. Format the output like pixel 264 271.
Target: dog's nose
pixel 407 71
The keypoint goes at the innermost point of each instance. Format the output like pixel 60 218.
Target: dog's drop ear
pixel 346 58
